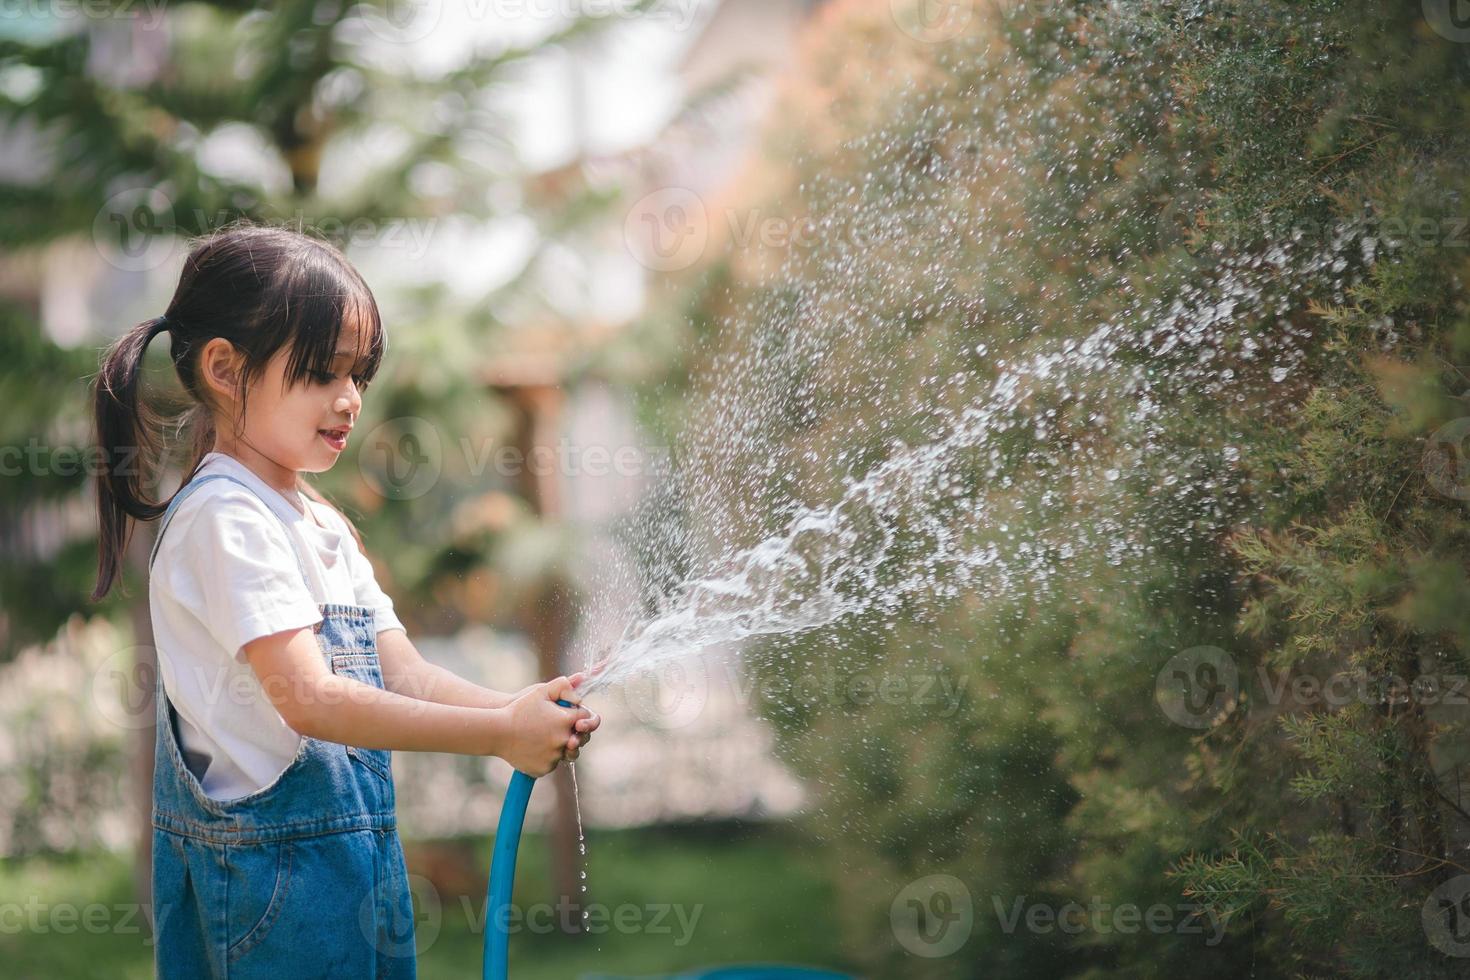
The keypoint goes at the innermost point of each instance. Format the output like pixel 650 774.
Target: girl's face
pixel 287 431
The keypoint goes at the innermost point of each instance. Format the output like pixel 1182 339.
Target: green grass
pixel 746 893
pixel 39 942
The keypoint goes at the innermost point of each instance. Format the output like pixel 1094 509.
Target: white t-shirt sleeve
pixel 227 560
pixel 364 580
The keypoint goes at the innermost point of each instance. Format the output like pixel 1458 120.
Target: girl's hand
pixel 542 731
pixel 585 726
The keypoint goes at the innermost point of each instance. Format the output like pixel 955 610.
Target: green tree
pixel 120 111
pixel 1003 190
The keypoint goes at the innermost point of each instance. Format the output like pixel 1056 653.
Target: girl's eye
pixel 322 378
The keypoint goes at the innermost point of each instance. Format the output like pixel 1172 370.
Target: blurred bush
pixel 981 193
pixel 65 712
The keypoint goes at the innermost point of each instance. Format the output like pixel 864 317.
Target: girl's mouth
pixel 336 438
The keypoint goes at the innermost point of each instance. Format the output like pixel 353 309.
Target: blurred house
pixel 687 743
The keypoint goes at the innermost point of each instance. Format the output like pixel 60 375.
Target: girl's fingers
pixel 561 689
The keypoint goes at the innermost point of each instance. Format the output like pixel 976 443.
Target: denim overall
pixel 304 877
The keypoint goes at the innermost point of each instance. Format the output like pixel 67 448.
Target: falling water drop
pixel 581 837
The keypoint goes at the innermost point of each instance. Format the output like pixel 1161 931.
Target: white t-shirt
pixel 226 574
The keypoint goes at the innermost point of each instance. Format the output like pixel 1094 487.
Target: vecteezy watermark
pixel 148 13
pixel 932 21
pixel 1360 687
pixel 1446 917
pixel 1449 18
pixel 1443 231
pixel 398 931
pixel 36 917
pixel 401 21
pixel 137 229
pixel 122 687
pixel 1197 686
pixel 1102 918
pixel 669 229
pixel 936 691
pixel 37 458
pixel 400 928
pixel 670 695
pixel 125 684
pixel 672 919
pixel 674 693
pixel 1446 462
pixel 403 458
pixel 933 916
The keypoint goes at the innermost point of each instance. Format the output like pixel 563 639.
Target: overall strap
pixel 190 487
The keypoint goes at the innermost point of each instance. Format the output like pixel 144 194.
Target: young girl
pixel 284 676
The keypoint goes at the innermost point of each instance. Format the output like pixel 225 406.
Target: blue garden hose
pixel 502 877
pixel 503 872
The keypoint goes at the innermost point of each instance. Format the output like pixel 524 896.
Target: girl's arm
pixel 531 733
pixel 406 672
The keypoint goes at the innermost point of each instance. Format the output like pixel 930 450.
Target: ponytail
pixel 128 445
pixel 261 289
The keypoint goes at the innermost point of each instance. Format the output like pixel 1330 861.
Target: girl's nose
pixel 351 401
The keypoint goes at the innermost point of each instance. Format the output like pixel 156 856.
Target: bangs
pixel 321 299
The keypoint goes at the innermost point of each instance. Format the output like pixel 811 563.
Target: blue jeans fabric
pixel 304 877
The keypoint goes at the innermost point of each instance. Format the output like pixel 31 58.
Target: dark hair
pixel 259 288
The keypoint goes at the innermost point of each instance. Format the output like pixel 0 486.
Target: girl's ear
pixel 219 366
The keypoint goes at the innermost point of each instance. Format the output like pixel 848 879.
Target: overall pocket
pixel 259 879
pixel 362 665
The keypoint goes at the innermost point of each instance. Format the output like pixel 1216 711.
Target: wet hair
pixel 260 288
